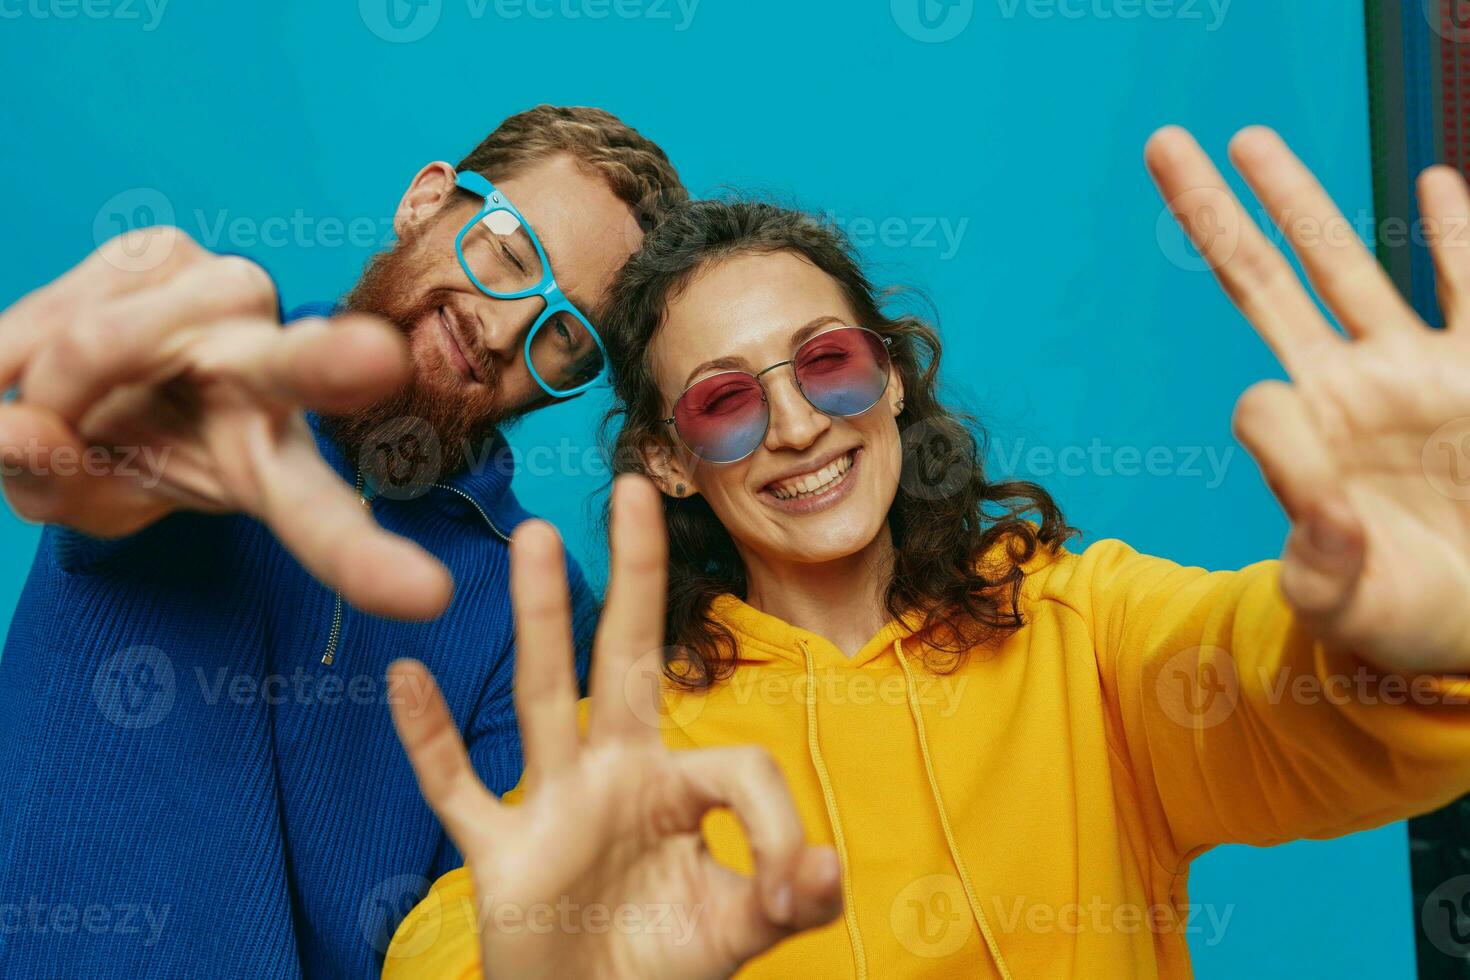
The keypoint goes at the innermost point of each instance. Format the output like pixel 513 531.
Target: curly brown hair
pixel 960 540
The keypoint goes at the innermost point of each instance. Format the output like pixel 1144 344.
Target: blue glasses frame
pixel 547 288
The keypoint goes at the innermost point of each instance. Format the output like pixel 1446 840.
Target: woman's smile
pixel 816 489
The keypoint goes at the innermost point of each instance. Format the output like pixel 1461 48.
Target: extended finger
pixel 144 335
pixel 438 756
pixel 1348 278
pixel 545 682
pixel 624 688
pixel 1325 550
pixel 1252 272
pixel 332 366
pixel 1444 203
pixel 319 519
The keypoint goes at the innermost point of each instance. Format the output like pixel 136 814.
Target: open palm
pixel 1368 446
pixel 610 823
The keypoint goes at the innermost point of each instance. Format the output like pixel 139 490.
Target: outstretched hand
pixel 155 377
pixel 1368 447
pixel 612 818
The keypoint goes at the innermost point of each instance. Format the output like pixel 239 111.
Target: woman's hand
pixel 1368 447
pixel 611 819
pixel 164 368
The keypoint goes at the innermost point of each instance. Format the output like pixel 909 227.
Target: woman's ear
pixel 431 187
pixel 666 469
pixel 895 390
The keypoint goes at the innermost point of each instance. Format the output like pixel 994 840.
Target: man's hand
pixel 156 349
pixel 1368 447
pixel 612 818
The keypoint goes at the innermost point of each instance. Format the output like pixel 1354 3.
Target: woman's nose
pixel 795 424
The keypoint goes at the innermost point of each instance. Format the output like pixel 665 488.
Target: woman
pixel 1016 751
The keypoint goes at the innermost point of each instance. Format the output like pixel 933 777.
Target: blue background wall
pixel 1070 315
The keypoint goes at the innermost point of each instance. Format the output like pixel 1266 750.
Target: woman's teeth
pixel 813 483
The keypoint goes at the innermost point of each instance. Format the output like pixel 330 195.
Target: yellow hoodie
pixel 1033 814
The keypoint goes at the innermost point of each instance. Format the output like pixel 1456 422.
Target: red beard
pixel 432 426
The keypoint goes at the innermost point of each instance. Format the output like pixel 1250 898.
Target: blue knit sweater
pixel 187 791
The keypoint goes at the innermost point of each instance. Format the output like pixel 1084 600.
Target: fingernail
pixel 781 903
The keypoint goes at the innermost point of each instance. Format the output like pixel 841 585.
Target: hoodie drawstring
pixel 814 750
pixel 954 851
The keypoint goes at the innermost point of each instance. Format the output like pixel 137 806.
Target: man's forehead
pixel 587 230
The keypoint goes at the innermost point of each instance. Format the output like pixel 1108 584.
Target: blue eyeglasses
pixel 504 259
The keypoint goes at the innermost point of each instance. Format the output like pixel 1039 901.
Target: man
pixel 198 772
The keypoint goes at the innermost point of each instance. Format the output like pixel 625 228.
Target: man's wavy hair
pixel 635 167
pixel 960 539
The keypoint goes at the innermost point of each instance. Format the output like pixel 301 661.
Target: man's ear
pixel 430 188
pixel 665 466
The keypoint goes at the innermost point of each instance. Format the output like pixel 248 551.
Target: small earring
pixel 900 405
pixel 678 489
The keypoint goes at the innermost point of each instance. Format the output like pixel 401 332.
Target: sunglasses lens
pixel 722 418
pixel 843 371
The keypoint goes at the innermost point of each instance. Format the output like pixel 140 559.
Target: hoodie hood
pixel 763 638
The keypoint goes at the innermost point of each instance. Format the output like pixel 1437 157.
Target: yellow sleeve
pixel 1238 727
pixel 440 937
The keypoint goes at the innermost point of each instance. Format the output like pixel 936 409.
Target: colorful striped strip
pixel 1419 107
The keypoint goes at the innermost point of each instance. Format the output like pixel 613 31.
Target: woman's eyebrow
pixel 718 364
pixel 802 335
pixel 805 333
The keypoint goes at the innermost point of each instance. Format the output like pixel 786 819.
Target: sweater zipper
pixel 335 636
pixel 478 509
